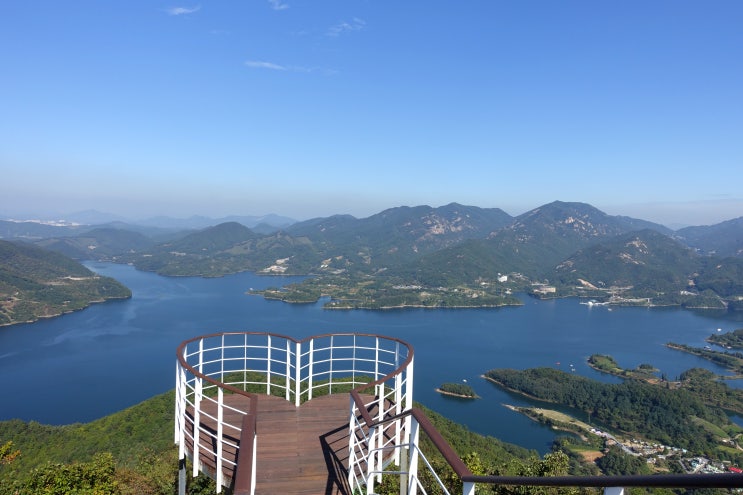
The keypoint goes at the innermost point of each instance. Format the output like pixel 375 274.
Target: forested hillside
pixel 36 283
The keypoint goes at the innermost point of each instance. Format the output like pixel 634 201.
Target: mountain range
pixel 453 254
pixel 89 218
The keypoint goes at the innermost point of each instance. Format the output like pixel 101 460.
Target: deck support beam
pixel 182 476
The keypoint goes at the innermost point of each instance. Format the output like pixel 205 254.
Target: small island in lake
pixel 460 390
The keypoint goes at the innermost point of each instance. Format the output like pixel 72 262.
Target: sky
pixel 313 108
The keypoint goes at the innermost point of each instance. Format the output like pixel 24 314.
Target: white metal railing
pixel 379 435
pixel 250 364
pixel 405 458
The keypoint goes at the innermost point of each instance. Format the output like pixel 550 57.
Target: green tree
pixel 616 462
pixel 96 477
pixel 7 454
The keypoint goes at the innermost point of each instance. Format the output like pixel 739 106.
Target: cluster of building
pixel 655 452
pixel 704 465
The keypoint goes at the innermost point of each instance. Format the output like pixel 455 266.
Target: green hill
pixel 224 249
pixel 648 261
pixel 102 243
pixel 396 236
pixel 722 239
pixel 533 244
pixel 36 283
pixel 723 277
pixel 541 238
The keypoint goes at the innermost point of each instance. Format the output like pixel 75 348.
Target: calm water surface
pixel 88 364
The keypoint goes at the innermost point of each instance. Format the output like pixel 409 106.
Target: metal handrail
pixel 712 480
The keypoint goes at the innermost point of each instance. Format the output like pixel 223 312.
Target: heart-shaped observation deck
pixel 266 413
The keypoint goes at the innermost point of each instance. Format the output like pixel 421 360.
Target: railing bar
pixel 712 480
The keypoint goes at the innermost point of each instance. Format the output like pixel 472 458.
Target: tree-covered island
pixel 461 390
pixel 607 364
pixel 363 292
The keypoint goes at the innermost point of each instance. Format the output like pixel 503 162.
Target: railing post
pixel 297 371
pixel 182 432
pixel 220 417
pixel 614 490
pixel 197 411
pixel 353 361
pixel 380 411
pixel 413 452
pixel 255 462
pixel 411 430
pixel 180 424
pixel 182 476
pixel 376 358
pixel 398 410
pixel 196 426
pixel 409 386
pixel 288 373
pixel 268 368
pixel 177 423
pixel 380 430
pixel 370 464
pixel 245 362
pixel 310 374
pixel 468 488
pixel 402 461
pixel 351 443
pixel 330 375
pixel 221 359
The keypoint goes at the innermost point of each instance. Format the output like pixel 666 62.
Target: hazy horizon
pixel 342 107
pixel 705 214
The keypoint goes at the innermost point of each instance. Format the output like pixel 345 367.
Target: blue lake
pixel 88 364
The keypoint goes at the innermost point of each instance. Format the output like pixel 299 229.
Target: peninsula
pixel 460 390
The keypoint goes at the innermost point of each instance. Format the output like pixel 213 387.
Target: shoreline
pixel 38 318
pixel 533 412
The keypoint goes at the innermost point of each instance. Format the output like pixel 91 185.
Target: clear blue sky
pixel 310 108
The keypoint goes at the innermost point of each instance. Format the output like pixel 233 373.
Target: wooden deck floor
pixel 300 451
